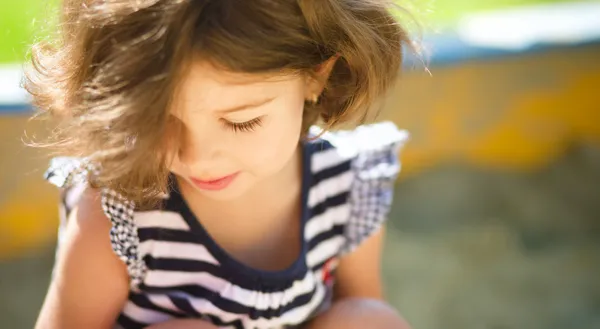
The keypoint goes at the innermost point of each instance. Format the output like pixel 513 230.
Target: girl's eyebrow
pixel 247 106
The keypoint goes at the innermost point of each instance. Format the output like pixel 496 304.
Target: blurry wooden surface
pixel 516 112
pixel 28 208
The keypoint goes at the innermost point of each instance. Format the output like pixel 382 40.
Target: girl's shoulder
pixel 363 163
pixel 364 139
pixel 372 150
pixel 72 176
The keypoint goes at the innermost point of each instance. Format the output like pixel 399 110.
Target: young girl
pixel 196 190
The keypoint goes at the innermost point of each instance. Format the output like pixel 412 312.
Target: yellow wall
pixel 516 113
pixel 28 211
pixel 511 112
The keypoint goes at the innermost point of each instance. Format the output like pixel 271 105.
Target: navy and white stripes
pixel 178 271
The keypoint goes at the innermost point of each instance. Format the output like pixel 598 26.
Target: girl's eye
pixel 247 126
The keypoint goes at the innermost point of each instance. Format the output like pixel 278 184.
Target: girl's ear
pixel 317 81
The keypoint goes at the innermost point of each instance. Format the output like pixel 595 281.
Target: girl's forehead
pixel 210 87
pixel 205 73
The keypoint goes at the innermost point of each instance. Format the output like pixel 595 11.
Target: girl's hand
pixel 183 324
pixel 358 293
pixel 359 313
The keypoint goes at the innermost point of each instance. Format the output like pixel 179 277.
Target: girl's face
pixel 237 129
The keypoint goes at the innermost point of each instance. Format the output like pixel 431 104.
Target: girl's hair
pixel 111 75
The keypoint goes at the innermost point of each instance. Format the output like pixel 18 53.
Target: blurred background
pixel 496 221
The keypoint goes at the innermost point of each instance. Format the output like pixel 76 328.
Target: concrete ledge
pixel 13 98
pixel 512 32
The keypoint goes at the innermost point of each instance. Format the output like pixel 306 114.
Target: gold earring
pixel 315 99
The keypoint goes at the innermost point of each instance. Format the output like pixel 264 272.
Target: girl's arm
pixel 358 292
pixel 359 273
pixel 90 284
pixel 183 324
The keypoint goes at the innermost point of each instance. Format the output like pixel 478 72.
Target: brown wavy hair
pixel 110 76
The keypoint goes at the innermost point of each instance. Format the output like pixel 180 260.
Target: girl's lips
pixel 214 184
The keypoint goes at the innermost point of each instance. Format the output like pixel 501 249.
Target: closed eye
pixel 247 126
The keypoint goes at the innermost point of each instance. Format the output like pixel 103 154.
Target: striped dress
pixel 178 271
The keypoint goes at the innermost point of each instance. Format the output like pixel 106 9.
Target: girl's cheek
pixel 176 167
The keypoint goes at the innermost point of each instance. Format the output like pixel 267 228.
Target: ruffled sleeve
pixel 71 176
pixel 64 172
pixel 376 166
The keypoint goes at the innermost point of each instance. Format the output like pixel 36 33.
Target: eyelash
pixel 247 126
